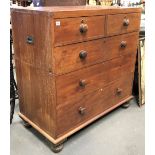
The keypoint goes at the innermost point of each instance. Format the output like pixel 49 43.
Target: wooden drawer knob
pixel 83 28
pixel 82 110
pixel 83 54
pixel 82 83
pixel 123 44
pixel 126 22
pixel 119 91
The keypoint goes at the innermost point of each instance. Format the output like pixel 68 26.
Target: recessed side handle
pixel 30 40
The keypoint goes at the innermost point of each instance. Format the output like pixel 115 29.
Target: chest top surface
pixel 76 11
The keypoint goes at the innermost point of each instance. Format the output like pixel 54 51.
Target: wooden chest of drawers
pixel 73 64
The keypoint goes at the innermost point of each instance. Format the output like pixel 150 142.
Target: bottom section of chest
pixel 59 105
pixel 60 121
pixel 82 109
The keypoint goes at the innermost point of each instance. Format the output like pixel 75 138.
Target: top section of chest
pixel 81 23
pixel 45 31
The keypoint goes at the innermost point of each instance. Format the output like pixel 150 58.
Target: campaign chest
pixel 73 64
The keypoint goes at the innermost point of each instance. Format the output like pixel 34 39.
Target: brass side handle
pixel 83 54
pixel 83 28
pixel 82 83
pixel 126 22
pixel 82 110
pixel 123 44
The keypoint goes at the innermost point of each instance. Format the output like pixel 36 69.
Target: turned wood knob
pixel 82 110
pixel 83 28
pixel 119 91
pixel 126 22
pixel 123 44
pixel 82 83
pixel 83 54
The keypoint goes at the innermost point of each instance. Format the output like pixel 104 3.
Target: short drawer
pixel 72 85
pixel 71 30
pixel 123 23
pixel 84 108
pixel 76 56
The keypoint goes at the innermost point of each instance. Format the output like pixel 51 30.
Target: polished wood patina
pixel 74 65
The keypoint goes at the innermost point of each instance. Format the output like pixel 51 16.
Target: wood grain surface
pixel 115 23
pixel 96 76
pixel 37 96
pixel 67 57
pixel 38 54
pixel 68 30
pixel 94 103
pixel 77 11
pixel 61 91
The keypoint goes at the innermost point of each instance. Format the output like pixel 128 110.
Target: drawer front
pixel 71 30
pixel 81 110
pixel 82 82
pixel 76 56
pixel 123 23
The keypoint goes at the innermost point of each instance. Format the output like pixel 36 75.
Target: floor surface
pixel 120 132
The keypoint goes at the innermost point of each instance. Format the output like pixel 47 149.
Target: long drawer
pixel 82 82
pixel 70 30
pixel 92 104
pixel 76 56
pixel 122 23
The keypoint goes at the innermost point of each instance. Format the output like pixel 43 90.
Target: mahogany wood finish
pixel 78 29
pixel 96 76
pixel 122 23
pixel 69 116
pixel 67 58
pixel 74 64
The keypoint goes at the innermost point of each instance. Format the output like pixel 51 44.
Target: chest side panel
pixel 32 39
